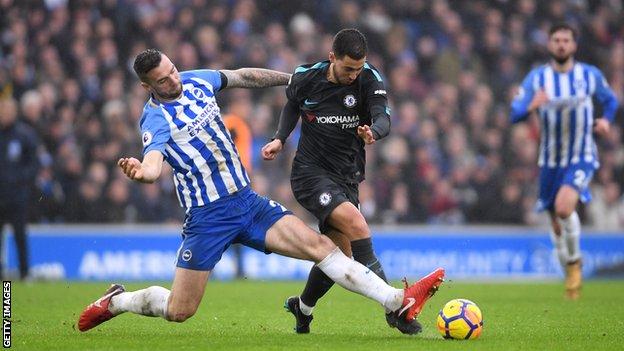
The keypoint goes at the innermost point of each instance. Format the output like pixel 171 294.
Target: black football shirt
pixel 330 114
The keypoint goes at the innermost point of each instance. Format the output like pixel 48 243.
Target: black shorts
pixel 319 193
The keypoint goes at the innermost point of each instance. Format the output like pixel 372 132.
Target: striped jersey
pixel 568 116
pixel 190 133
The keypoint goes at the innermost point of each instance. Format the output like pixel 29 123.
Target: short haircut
pixel 145 62
pixel 350 42
pixel 562 26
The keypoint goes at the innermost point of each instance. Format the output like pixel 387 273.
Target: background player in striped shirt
pixel 182 124
pixel 561 93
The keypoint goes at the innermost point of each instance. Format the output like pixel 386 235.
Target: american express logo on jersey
pixel 209 113
pixel 196 143
pixel 566 102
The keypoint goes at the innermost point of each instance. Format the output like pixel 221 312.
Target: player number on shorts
pixel 580 179
pixel 277 204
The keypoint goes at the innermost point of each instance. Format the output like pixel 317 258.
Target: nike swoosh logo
pixel 308 102
pixel 373 263
pixel 410 302
pixel 98 303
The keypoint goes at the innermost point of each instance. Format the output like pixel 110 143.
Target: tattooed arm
pixel 254 78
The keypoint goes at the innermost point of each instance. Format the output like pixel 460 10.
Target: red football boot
pixel 417 294
pixel 97 312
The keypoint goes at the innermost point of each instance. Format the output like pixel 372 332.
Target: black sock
pixel 363 252
pixel 317 286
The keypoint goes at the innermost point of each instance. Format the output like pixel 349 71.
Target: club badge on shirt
pixel 325 199
pixel 349 100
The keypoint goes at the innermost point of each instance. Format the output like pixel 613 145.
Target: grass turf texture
pixel 248 315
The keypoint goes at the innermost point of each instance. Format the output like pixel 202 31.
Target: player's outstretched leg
pixel 349 222
pixel 151 302
pixel 176 305
pixel 98 312
pixel 363 252
pixel 418 293
pixel 353 276
pixel 291 237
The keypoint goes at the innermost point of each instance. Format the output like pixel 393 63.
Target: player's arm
pixel 253 78
pixel 155 134
pixel 380 117
pixel 147 171
pixel 527 100
pixel 287 122
pixel 377 107
pixel 607 99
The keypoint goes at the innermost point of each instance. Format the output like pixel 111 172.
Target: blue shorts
pixel 577 176
pixel 243 217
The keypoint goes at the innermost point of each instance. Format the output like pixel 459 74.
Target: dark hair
pixel 146 61
pixel 562 26
pixel 350 42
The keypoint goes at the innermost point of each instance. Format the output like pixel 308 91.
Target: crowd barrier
pixel 123 253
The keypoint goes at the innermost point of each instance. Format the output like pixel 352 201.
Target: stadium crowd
pixel 451 69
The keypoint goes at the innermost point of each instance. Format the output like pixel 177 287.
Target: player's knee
pixel 563 211
pixel 321 248
pixel 357 228
pixel 180 315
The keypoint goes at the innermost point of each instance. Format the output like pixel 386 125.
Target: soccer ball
pixel 460 319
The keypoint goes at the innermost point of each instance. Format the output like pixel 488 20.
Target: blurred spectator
pixel 606 211
pixel 452 69
pixel 236 123
pixel 19 159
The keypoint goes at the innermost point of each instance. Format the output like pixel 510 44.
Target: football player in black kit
pixel 343 106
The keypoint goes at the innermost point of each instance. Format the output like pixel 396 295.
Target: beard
pixel 561 59
pixel 338 79
pixel 170 95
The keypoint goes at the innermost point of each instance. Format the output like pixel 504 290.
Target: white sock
pixel 560 248
pixel 305 309
pixel 355 277
pixel 147 302
pixel 571 228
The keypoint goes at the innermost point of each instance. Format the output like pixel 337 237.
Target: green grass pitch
pixel 248 315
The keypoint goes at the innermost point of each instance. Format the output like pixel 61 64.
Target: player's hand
pixel 366 134
pixel 539 99
pixel 271 149
pixel 131 167
pixel 602 127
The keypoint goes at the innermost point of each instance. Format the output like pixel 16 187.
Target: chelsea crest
pixel 349 101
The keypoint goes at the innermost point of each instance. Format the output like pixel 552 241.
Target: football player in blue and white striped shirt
pixel 182 124
pixel 561 93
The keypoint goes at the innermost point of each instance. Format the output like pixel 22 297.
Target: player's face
pixel 346 69
pixel 562 46
pixel 164 80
